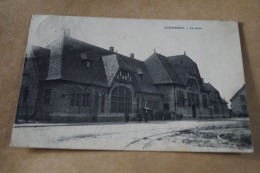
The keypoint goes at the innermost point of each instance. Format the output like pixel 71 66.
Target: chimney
pixel 66 32
pixel 111 49
pixel 132 55
pixel 202 80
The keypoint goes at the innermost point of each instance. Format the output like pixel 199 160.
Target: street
pixel 224 135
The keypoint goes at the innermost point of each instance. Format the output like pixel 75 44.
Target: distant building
pixel 217 105
pixel 239 102
pixel 70 80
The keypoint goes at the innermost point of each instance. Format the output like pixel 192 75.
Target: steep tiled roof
pixel 39 60
pixel 214 93
pixel 160 70
pixel 209 87
pixel 169 69
pixel 145 84
pixel 88 69
pixel 111 67
pixel 75 60
pixel 68 61
pixel 115 62
pixel 182 65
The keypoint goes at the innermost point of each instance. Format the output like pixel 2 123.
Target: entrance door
pixel 166 107
pixel 193 107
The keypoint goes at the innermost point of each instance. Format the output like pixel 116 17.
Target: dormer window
pixel 83 56
pixel 140 73
pixel 85 59
pixel 124 75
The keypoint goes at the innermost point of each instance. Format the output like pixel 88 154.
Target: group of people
pixel 145 114
pixel 140 115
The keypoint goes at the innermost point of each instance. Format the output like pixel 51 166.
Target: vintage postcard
pixel 133 84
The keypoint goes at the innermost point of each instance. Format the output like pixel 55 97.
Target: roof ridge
pixel 62 36
pixel 175 73
pixel 181 55
pixel 97 47
pixel 163 66
pixel 174 70
pixel 244 85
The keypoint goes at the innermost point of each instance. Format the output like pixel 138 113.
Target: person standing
pixel 145 116
pixel 139 116
pixel 126 116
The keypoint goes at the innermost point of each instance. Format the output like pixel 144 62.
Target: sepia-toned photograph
pixel 133 84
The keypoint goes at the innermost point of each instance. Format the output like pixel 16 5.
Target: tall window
pixel 103 103
pixel 180 98
pixel 25 94
pixel 156 104
pixel 86 99
pixel 121 100
pixel 197 100
pixel 75 98
pixel 189 98
pixel 205 101
pixel 47 96
pixel 78 99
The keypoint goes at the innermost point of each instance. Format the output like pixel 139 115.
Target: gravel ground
pixel 224 135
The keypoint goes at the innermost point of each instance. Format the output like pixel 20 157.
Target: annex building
pixel 239 102
pixel 70 80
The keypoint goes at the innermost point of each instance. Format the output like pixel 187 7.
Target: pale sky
pixel 215 46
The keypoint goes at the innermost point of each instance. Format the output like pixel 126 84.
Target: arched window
pixel 192 83
pixel 86 99
pixel 121 100
pixel 75 97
